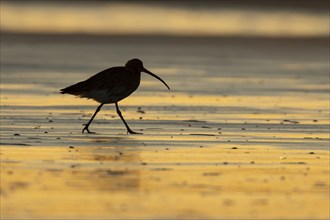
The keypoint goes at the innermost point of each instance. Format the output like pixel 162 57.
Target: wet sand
pixel 243 134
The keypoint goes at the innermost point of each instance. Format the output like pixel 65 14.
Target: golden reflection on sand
pixel 286 101
pixel 127 182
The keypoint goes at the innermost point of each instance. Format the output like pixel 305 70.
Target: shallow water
pixel 243 132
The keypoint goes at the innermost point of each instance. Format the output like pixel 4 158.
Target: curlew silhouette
pixel 111 86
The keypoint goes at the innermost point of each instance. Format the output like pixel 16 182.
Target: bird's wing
pixel 104 80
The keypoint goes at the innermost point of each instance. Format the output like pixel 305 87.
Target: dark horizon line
pixel 5 33
pixel 290 4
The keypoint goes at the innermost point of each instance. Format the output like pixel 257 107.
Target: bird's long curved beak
pixel 157 77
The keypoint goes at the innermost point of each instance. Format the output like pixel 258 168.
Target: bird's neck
pixel 133 71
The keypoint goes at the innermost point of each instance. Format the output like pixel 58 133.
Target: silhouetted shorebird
pixel 111 86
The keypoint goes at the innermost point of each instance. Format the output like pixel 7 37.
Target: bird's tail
pixel 63 91
pixel 75 89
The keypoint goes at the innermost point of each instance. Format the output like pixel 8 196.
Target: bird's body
pixel 111 86
pixel 108 86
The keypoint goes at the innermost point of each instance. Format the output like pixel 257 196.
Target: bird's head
pixel 137 64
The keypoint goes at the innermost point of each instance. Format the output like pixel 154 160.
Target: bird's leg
pixel 122 118
pixel 90 121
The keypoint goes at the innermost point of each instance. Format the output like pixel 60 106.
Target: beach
pixel 242 134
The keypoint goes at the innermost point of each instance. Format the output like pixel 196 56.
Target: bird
pixel 111 86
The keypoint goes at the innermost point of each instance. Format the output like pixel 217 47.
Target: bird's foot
pixel 86 129
pixel 129 131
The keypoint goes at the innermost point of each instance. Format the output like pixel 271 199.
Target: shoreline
pixel 243 134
